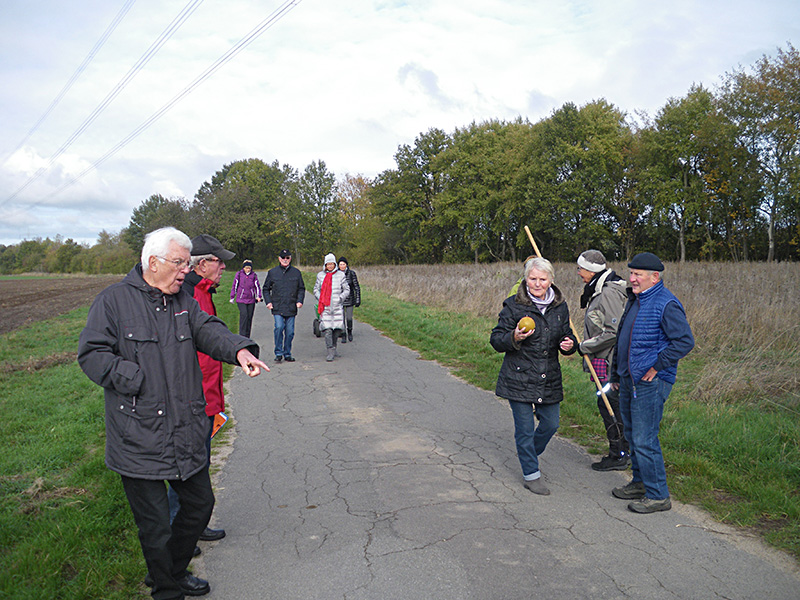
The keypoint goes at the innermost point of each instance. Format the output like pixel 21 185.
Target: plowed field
pixel 30 299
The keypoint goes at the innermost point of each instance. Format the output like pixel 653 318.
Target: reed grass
pixel 745 316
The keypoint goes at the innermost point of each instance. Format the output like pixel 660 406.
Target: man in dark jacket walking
pixel 284 292
pixel 653 336
pixel 140 344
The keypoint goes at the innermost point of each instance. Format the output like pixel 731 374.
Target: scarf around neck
pixel 543 303
pixel 325 292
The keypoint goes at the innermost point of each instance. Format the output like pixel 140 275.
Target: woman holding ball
pixel 530 377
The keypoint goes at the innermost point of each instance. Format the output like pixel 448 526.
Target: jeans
pixel 642 407
pixel 531 440
pixel 168 548
pixel 245 318
pixel 284 334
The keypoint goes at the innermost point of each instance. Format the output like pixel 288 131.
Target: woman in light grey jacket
pixel 331 290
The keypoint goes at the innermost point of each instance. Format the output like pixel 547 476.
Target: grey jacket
pixel 141 346
pixel 603 313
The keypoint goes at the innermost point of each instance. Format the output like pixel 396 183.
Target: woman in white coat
pixel 331 290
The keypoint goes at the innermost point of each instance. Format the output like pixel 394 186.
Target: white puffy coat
pixel 333 316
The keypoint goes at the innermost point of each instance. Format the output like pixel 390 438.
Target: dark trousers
pixel 245 318
pixel 168 549
pixel 617 444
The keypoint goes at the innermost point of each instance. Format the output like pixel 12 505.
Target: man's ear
pixel 151 263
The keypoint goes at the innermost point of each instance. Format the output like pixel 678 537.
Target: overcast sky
pixel 343 81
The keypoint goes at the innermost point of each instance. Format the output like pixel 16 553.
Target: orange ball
pixel 526 324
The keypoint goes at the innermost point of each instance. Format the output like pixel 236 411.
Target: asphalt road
pixel 380 476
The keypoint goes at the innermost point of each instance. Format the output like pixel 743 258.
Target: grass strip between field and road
pixel 66 530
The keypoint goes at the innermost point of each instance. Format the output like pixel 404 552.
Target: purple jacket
pixel 246 289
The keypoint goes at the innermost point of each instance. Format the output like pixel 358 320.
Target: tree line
pixel 713 175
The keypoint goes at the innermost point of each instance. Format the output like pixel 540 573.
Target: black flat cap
pixel 646 261
pixel 208 244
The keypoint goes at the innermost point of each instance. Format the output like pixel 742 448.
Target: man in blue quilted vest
pixel 653 336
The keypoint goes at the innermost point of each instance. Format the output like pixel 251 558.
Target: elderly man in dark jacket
pixel 284 292
pixel 140 344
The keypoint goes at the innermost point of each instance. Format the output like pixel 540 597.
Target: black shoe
pixel 344 339
pixel 288 358
pixel 350 335
pixel 612 463
pixel 278 358
pixel 212 535
pixel 197 551
pixel 194 586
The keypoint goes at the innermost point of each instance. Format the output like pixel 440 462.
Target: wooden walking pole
pixel 586 359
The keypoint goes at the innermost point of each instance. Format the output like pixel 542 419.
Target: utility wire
pixel 279 13
pixel 176 23
pixel 99 44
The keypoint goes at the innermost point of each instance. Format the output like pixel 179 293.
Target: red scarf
pixel 325 292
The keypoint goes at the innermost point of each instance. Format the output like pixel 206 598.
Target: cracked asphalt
pixel 382 476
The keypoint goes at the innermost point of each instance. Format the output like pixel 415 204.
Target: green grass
pixel 741 462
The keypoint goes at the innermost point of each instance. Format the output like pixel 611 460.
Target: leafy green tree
pixel 245 207
pixel 764 106
pixel 575 169
pixel 154 213
pixel 677 159
pixel 404 198
pixel 364 236
pixel 474 209
pixel 322 219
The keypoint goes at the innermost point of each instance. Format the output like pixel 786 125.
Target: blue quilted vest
pixel 647 337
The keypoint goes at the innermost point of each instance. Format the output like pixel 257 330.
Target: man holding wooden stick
pixel 653 336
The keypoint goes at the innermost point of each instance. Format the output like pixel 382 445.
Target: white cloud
pixel 346 82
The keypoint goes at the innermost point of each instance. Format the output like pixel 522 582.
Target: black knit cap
pixel 646 261
pixel 344 260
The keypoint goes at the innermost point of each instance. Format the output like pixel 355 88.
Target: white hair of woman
pixel 540 264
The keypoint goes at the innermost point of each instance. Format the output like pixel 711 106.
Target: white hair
pixel 540 264
pixel 156 243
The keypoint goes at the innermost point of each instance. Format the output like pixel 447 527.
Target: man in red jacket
pixel 208 263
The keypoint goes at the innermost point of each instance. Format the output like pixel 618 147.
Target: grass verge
pixel 741 462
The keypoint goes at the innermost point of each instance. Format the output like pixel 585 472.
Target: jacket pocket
pixel 140 426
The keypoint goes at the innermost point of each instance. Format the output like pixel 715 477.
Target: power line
pixel 176 23
pixel 99 44
pixel 276 15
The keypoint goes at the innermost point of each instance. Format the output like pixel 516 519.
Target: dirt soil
pixel 30 299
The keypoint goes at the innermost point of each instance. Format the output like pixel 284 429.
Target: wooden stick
pixel 578 337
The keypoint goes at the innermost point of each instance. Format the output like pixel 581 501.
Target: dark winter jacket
pixel 354 299
pixel 284 288
pixel 530 370
pixel 141 346
pixel 245 288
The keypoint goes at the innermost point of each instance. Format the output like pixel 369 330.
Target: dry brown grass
pixel 745 316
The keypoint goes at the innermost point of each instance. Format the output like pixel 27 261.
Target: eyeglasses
pixel 212 259
pixel 179 264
